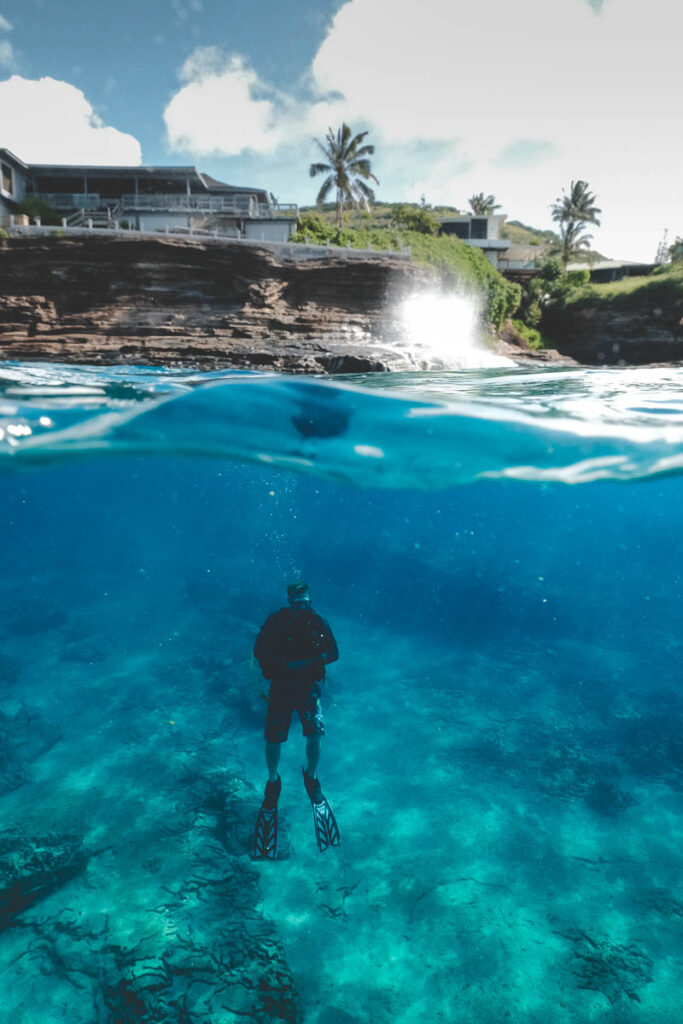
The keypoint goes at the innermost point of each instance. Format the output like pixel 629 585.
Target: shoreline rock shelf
pixel 159 301
pixel 205 305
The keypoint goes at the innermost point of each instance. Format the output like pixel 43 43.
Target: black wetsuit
pixel 294 635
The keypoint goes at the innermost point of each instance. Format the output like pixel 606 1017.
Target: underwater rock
pixel 198 950
pixel 559 761
pixel 32 866
pixel 10 670
pixel 90 651
pixel 650 741
pixel 24 736
pixel 661 901
pixel 598 965
pixel 214 951
pixel 35 615
pixel 605 797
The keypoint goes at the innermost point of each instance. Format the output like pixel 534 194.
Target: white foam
pixel 443 331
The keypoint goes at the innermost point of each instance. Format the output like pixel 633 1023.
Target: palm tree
pixel 348 169
pixel 573 210
pixel 483 205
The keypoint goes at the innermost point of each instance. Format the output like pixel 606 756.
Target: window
pixel 6 178
pixel 478 228
pixel 460 229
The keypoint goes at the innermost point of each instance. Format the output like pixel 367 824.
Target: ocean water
pixel 498 552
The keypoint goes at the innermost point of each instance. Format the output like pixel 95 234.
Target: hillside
pixel 522 234
pixel 380 217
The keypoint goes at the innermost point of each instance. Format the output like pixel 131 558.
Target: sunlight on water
pixel 444 332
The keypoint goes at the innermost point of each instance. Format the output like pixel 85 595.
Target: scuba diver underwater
pixel 293 648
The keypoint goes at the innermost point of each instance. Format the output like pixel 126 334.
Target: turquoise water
pixel 498 553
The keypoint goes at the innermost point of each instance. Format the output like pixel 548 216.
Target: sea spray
pixel 443 331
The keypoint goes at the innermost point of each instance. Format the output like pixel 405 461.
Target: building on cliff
pixel 147 198
pixel 482 232
pixel 602 271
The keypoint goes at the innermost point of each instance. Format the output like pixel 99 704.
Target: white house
pixel 147 198
pixel 483 232
pixel 12 183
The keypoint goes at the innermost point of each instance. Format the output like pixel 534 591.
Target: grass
pixel 379 215
pixel 663 287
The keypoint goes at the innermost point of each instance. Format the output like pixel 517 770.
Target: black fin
pixel 326 828
pixel 265 834
pixel 324 821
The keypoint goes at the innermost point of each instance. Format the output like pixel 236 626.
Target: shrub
pixel 577 278
pixel 3 233
pixel 34 207
pixel 531 336
pixel 676 251
pixel 415 219
pixel 313 228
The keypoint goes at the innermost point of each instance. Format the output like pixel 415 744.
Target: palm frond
pixel 363 194
pixel 346 163
pixel 318 169
pixel 324 190
pixel 362 168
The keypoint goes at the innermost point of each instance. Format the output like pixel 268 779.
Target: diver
pixel 293 648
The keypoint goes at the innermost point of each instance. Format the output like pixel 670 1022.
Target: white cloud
pixel 522 98
pixel 48 121
pixel 7 58
pixel 223 107
pixel 6 55
pixel 599 94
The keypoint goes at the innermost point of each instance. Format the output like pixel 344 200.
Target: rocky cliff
pixel 158 301
pixel 205 304
pixel 632 333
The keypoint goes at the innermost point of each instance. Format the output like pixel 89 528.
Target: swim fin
pixel 266 832
pixel 324 821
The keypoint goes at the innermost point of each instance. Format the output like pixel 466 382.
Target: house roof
pixel 107 170
pixel 196 178
pixel 7 154
pixel 609 265
pixel 214 185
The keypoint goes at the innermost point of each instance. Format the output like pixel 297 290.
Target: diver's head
pixel 299 595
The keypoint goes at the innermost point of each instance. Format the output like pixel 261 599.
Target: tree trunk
pixel 340 209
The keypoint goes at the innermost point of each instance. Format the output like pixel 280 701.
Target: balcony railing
pixel 238 205
pixel 241 205
pixel 70 200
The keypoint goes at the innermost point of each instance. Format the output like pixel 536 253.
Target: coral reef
pixel 32 866
pixel 24 736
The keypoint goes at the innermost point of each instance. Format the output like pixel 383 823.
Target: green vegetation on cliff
pixel 663 287
pixel 457 265
pixel 380 215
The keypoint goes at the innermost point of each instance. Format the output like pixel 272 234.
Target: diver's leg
pixel 272 759
pixel 312 755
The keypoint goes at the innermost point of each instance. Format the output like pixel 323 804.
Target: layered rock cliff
pixel 210 305
pixel 646 330
pixel 158 301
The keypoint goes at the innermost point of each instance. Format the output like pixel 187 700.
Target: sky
pixel 515 100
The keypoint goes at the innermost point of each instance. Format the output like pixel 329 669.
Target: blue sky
pixel 514 99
